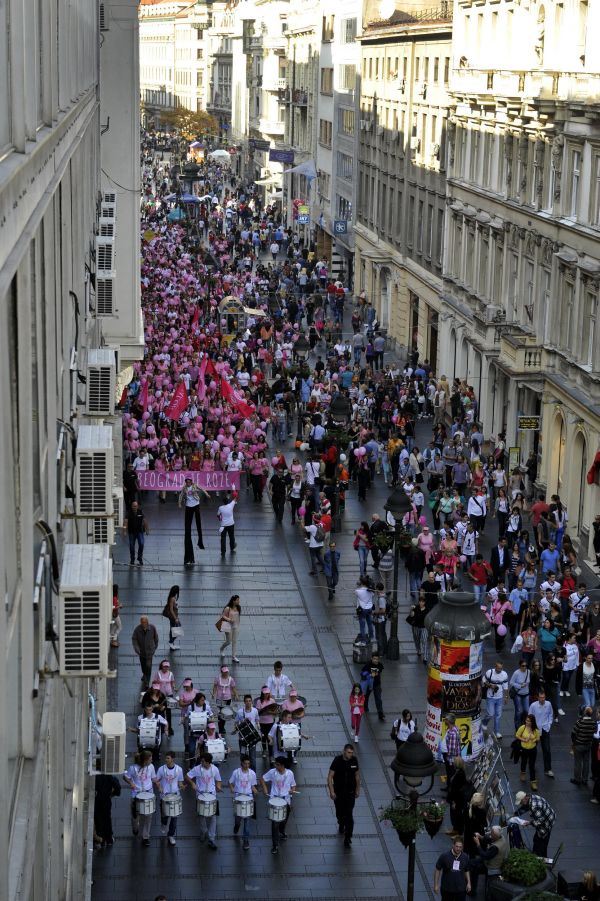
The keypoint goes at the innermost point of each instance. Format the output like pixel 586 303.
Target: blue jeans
pixel 245 823
pixel 589 697
pixel 357 354
pixel 363 555
pixel 365 620
pixel 494 711
pixel 521 703
pixel 414 581
pixel 479 592
pixel 139 537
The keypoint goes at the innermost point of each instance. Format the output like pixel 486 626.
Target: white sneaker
pixel 561 712
pixel 163 830
pixel 562 694
pixel 356 738
pixel 498 735
pixel 172 840
pixel 568 694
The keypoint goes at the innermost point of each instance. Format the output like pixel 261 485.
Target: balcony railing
pixel 540 84
pixel 298 97
pixel 271 127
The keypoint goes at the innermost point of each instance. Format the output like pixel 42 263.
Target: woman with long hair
pixel 230 626
pixel 171 612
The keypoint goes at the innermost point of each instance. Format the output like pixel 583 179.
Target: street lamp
pixel 414 762
pixel 398 505
pixel 189 175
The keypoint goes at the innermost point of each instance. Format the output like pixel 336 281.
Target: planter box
pixel 500 890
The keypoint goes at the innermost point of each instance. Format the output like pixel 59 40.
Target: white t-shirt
pixel 243 782
pixel 311 531
pixel 578 605
pixel 312 470
pixel 279 685
pixel 142 777
pixel 169 779
pixel 225 513
pixel 206 778
pixel 496 683
pixel 469 543
pixel 281 784
pixel 250 715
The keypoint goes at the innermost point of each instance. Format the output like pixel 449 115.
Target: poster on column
pixel 150 480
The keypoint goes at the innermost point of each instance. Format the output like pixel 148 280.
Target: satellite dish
pixel 387 8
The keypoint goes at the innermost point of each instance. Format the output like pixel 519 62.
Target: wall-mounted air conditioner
pixel 434 151
pixel 97 531
pixel 107 228
pixel 109 197
pixel 94 470
pixel 101 382
pixel 118 506
pixel 85 599
pixel 112 755
pixel 108 209
pixel 105 255
pixel 105 295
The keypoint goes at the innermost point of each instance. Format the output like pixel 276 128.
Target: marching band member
pixel 149 716
pixel 243 781
pixel 283 785
pixel 186 696
pixel 169 781
pixel 198 705
pixel 139 777
pixel 278 683
pixel 247 713
pixel 266 707
pixel 166 680
pixel 294 705
pixel 276 738
pixel 206 779
pixel 224 691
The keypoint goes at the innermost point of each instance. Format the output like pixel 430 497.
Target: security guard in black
pixel 343 782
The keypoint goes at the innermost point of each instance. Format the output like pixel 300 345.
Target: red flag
pixel 226 390
pixel 179 402
pixel 245 409
pixel 210 369
pixel 201 381
pixel 124 396
pixel 196 315
pixel 143 399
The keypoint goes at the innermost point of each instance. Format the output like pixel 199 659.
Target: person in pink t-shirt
pixel 427 544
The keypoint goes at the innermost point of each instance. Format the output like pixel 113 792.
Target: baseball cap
pixel 520 797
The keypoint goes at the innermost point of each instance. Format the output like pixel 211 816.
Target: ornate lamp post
pixel 189 175
pixel 396 506
pixel 413 766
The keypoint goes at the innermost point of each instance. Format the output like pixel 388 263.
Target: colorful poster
pixel 150 480
pixel 462 697
pixel 454 658
pixel 476 658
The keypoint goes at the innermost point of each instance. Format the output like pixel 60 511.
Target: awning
pixel 250 311
pixel 271 180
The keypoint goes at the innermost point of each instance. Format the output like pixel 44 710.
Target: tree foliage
pixel 190 124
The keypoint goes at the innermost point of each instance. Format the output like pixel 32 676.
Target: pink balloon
pixel 164 442
pixel 463 559
pixel 301 511
pixel 501 629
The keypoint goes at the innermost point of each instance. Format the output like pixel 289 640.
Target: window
pixel 417 67
pixel 328 27
pixel 347 78
pixel 429 232
pixel 436 69
pixel 376 67
pixel 575 169
pixel 528 295
pixel 324 183
pixel 420 227
pixel 346 121
pixel 595 192
pixel 446 70
pixel 486 141
pixel 410 225
pixel 426 69
pixel 326 81
pixel 497 286
pixel 325 131
pixel 513 285
pixel 345 165
pixel 439 237
pixel 474 156
pixel 483 266
pixel 348 31
pixel 344 208
pixel 544 302
pixel 588 328
pixel 405 67
pixel 566 315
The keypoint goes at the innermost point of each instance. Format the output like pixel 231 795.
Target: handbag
pixel 219 623
pixel 177 631
pixel 512 692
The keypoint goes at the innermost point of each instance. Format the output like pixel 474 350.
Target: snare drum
pixel 198 720
pixel 206 805
pixel 172 805
pixel 290 736
pixel 226 713
pixel 145 803
pixel 148 733
pixel 216 747
pixel 277 810
pixel 244 806
pixel 172 702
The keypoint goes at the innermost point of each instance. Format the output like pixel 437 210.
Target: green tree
pixel 190 124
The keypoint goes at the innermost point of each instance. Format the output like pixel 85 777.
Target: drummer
pixel 198 705
pixel 224 691
pixel 206 779
pixel 276 738
pixel 139 777
pixel 169 781
pixel 243 781
pixel 186 696
pixel 294 705
pixel 278 683
pixel 266 708
pixel 283 785
pixel 247 713
pixel 166 682
pixel 159 724
pixel 154 698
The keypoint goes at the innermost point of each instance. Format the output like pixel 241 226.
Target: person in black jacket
pixel 415 565
pixel 107 788
pixel 460 790
pixel 499 561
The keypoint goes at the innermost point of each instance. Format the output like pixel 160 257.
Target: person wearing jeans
pixel 364 610
pixel 135 526
pixel 544 717
pixel 588 675
pixel 140 777
pixel 529 735
pixel 243 781
pixel 370 682
pixel 169 781
pixel 495 684
pixel 519 691
pixel 582 737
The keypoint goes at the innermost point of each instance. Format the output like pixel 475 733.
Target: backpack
pixel 320 535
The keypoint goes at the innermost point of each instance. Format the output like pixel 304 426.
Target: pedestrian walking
pixel 451 875
pixel 528 736
pixel 495 686
pixel 145 642
pixel 582 737
pixel 316 539
pixel 357 708
pixel 206 780
pixel 544 717
pixel 518 690
pixel 243 781
pixel 189 498
pixel 171 612
pixel 230 626
pixel 282 785
pixel 362 545
pixel 136 528
pixel 169 781
pixel 343 783
pixel 331 560
pixel 541 817
pixel 370 681
pixel 140 778
pixel 106 788
pixel 227 528
pixel 365 603
pixel 278 492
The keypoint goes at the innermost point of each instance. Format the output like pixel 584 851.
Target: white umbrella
pixel 221 156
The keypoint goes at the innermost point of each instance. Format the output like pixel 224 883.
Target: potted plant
pixel 383 541
pixel 433 817
pixel 407 821
pixel 521 870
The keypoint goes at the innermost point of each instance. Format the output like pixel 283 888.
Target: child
pixel 357 708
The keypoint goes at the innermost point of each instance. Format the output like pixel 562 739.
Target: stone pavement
pixel 285 614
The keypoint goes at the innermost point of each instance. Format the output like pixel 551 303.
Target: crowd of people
pixel 213 394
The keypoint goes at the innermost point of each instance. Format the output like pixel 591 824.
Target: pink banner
pixel 149 480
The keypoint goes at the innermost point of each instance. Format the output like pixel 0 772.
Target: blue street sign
pixel 340 226
pixel 281 156
pixel 303 220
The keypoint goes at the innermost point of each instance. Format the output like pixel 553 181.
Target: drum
pixel 172 702
pixel 277 810
pixel 198 720
pixel 243 806
pixel 148 733
pixel 226 713
pixel 216 747
pixel 248 735
pixel 290 736
pixel 206 805
pixel 172 805
pixel 145 803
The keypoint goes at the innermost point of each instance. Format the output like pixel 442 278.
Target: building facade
pixel 399 229
pixel 51 156
pixel 522 262
pixel 218 39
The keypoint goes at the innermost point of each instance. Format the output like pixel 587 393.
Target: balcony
pixel 276 43
pixel 576 87
pixel 270 127
pixel 273 83
pixel 523 354
pixel 298 97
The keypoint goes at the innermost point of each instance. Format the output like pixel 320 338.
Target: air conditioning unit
pixel 102 17
pixel 106 228
pixel 105 295
pixel 109 197
pixel 108 210
pixel 98 531
pixel 402 85
pixel 368 124
pixel 112 755
pixel 105 255
pixel 101 382
pixel 422 89
pixel 94 470
pixel 118 506
pixel 415 144
pixel 85 599
pixel 363 122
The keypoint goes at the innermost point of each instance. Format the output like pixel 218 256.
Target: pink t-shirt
pixel 426 543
